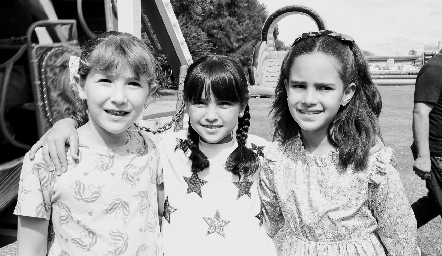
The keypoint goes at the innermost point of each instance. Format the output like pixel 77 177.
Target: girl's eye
pixel 104 80
pixel 199 103
pixel 225 104
pixel 297 86
pixel 135 84
pixel 324 88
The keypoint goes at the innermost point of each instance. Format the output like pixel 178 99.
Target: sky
pixel 383 27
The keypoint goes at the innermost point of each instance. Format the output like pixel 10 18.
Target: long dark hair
pixel 224 78
pixel 355 128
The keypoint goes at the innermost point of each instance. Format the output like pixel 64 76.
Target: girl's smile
pixel 117 112
pixel 309 112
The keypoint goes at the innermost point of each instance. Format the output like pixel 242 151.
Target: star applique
pixel 243 187
pixel 216 224
pixel 260 217
pixel 258 150
pixel 194 184
pixel 168 209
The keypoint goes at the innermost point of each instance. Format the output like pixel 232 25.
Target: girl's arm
pixel 397 224
pixel 270 207
pixel 54 143
pixel 32 236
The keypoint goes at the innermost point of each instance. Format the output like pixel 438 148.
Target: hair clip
pixel 342 37
pixel 74 62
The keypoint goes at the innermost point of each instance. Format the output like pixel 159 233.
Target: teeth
pixel 211 127
pixel 116 113
pixel 310 112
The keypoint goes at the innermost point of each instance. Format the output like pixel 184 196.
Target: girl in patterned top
pixel 106 203
pixel 209 200
pixel 323 192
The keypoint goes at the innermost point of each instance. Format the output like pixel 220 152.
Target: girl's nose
pixel 309 97
pixel 211 113
pixel 118 95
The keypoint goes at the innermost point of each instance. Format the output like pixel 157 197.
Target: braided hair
pixel 224 78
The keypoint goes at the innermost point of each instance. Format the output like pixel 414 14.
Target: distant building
pixel 393 62
pixel 430 51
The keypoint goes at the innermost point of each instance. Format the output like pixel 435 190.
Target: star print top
pixel 106 204
pixel 212 212
pixel 313 207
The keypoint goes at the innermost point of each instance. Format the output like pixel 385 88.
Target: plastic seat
pixel 33 114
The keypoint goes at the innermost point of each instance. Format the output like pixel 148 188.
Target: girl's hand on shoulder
pixel 54 143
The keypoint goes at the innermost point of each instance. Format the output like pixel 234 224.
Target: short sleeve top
pixel 429 89
pixel 105 203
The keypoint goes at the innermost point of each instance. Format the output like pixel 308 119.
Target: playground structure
pixel 43 60
pixel 267 61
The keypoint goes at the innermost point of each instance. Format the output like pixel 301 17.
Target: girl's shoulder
pixel 172 135
pixel 147 139
pixel 171 138
pixel 381 164
pixel 290 149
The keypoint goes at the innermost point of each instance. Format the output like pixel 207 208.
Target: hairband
pixel 74 62
pixel 342 37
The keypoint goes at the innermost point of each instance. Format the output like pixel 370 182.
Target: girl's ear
pixel 348 94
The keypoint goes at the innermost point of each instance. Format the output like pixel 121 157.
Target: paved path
pixel 159 109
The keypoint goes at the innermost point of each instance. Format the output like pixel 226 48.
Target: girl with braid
pixel 211 204
pixel 209 198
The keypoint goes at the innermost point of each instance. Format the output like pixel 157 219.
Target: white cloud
pixel 380 26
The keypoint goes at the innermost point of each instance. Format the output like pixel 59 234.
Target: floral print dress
pixel 313 207
pixel 106 204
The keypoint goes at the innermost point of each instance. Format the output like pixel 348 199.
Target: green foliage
pixel 228 27
pixel 412 52
pixel 196 39
pixel 367 53
pixel 231 27
pixel 280 45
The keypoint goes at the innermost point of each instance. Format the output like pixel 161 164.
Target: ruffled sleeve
pixel 271 208
pixel 389 204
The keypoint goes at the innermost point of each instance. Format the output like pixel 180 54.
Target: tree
pixel 279 45
pixel 228 27
pixel 231 27
pixel 412 52
pixel 367 53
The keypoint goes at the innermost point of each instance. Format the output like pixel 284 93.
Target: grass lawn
pixel 395 121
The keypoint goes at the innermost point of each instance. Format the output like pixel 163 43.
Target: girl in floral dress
pixel 323 193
